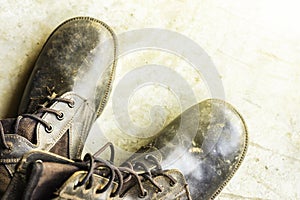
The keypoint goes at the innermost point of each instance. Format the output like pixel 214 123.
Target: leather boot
pixel 49 176
pixel 68 89
pixel 206 143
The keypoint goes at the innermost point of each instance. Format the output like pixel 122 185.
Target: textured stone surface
pixel 254 45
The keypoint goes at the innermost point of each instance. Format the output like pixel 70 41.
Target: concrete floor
pixel 254 46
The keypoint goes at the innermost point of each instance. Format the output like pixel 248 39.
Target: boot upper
pixel 79 56
pixel 207 143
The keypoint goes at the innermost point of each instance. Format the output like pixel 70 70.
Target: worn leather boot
pixel 49 176
pixel 67 91
pixel 207 143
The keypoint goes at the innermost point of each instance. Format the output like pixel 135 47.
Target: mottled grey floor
pixel 253 44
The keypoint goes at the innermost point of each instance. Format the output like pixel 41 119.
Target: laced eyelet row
pixel 42 109
pixel 121 174
pixel 59 114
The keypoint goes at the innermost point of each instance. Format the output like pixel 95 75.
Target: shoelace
pixel 122 174
pixel 42 109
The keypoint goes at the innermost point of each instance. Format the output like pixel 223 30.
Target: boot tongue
pixel 46 177
pixel 38 175
pixel 26 127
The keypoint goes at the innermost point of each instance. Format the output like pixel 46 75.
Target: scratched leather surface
pixel 78 56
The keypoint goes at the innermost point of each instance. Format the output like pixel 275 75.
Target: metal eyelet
pixel 10 146
pixel 172 184
pixel 71 104
pixel 49 129
pixel 39 161
pixel 75 186
pixel 147 157
pixel 87 187
pixel 158 190
pixel 141 196
pixel 60 116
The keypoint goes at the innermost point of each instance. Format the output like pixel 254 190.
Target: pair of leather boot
pixel 68 89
